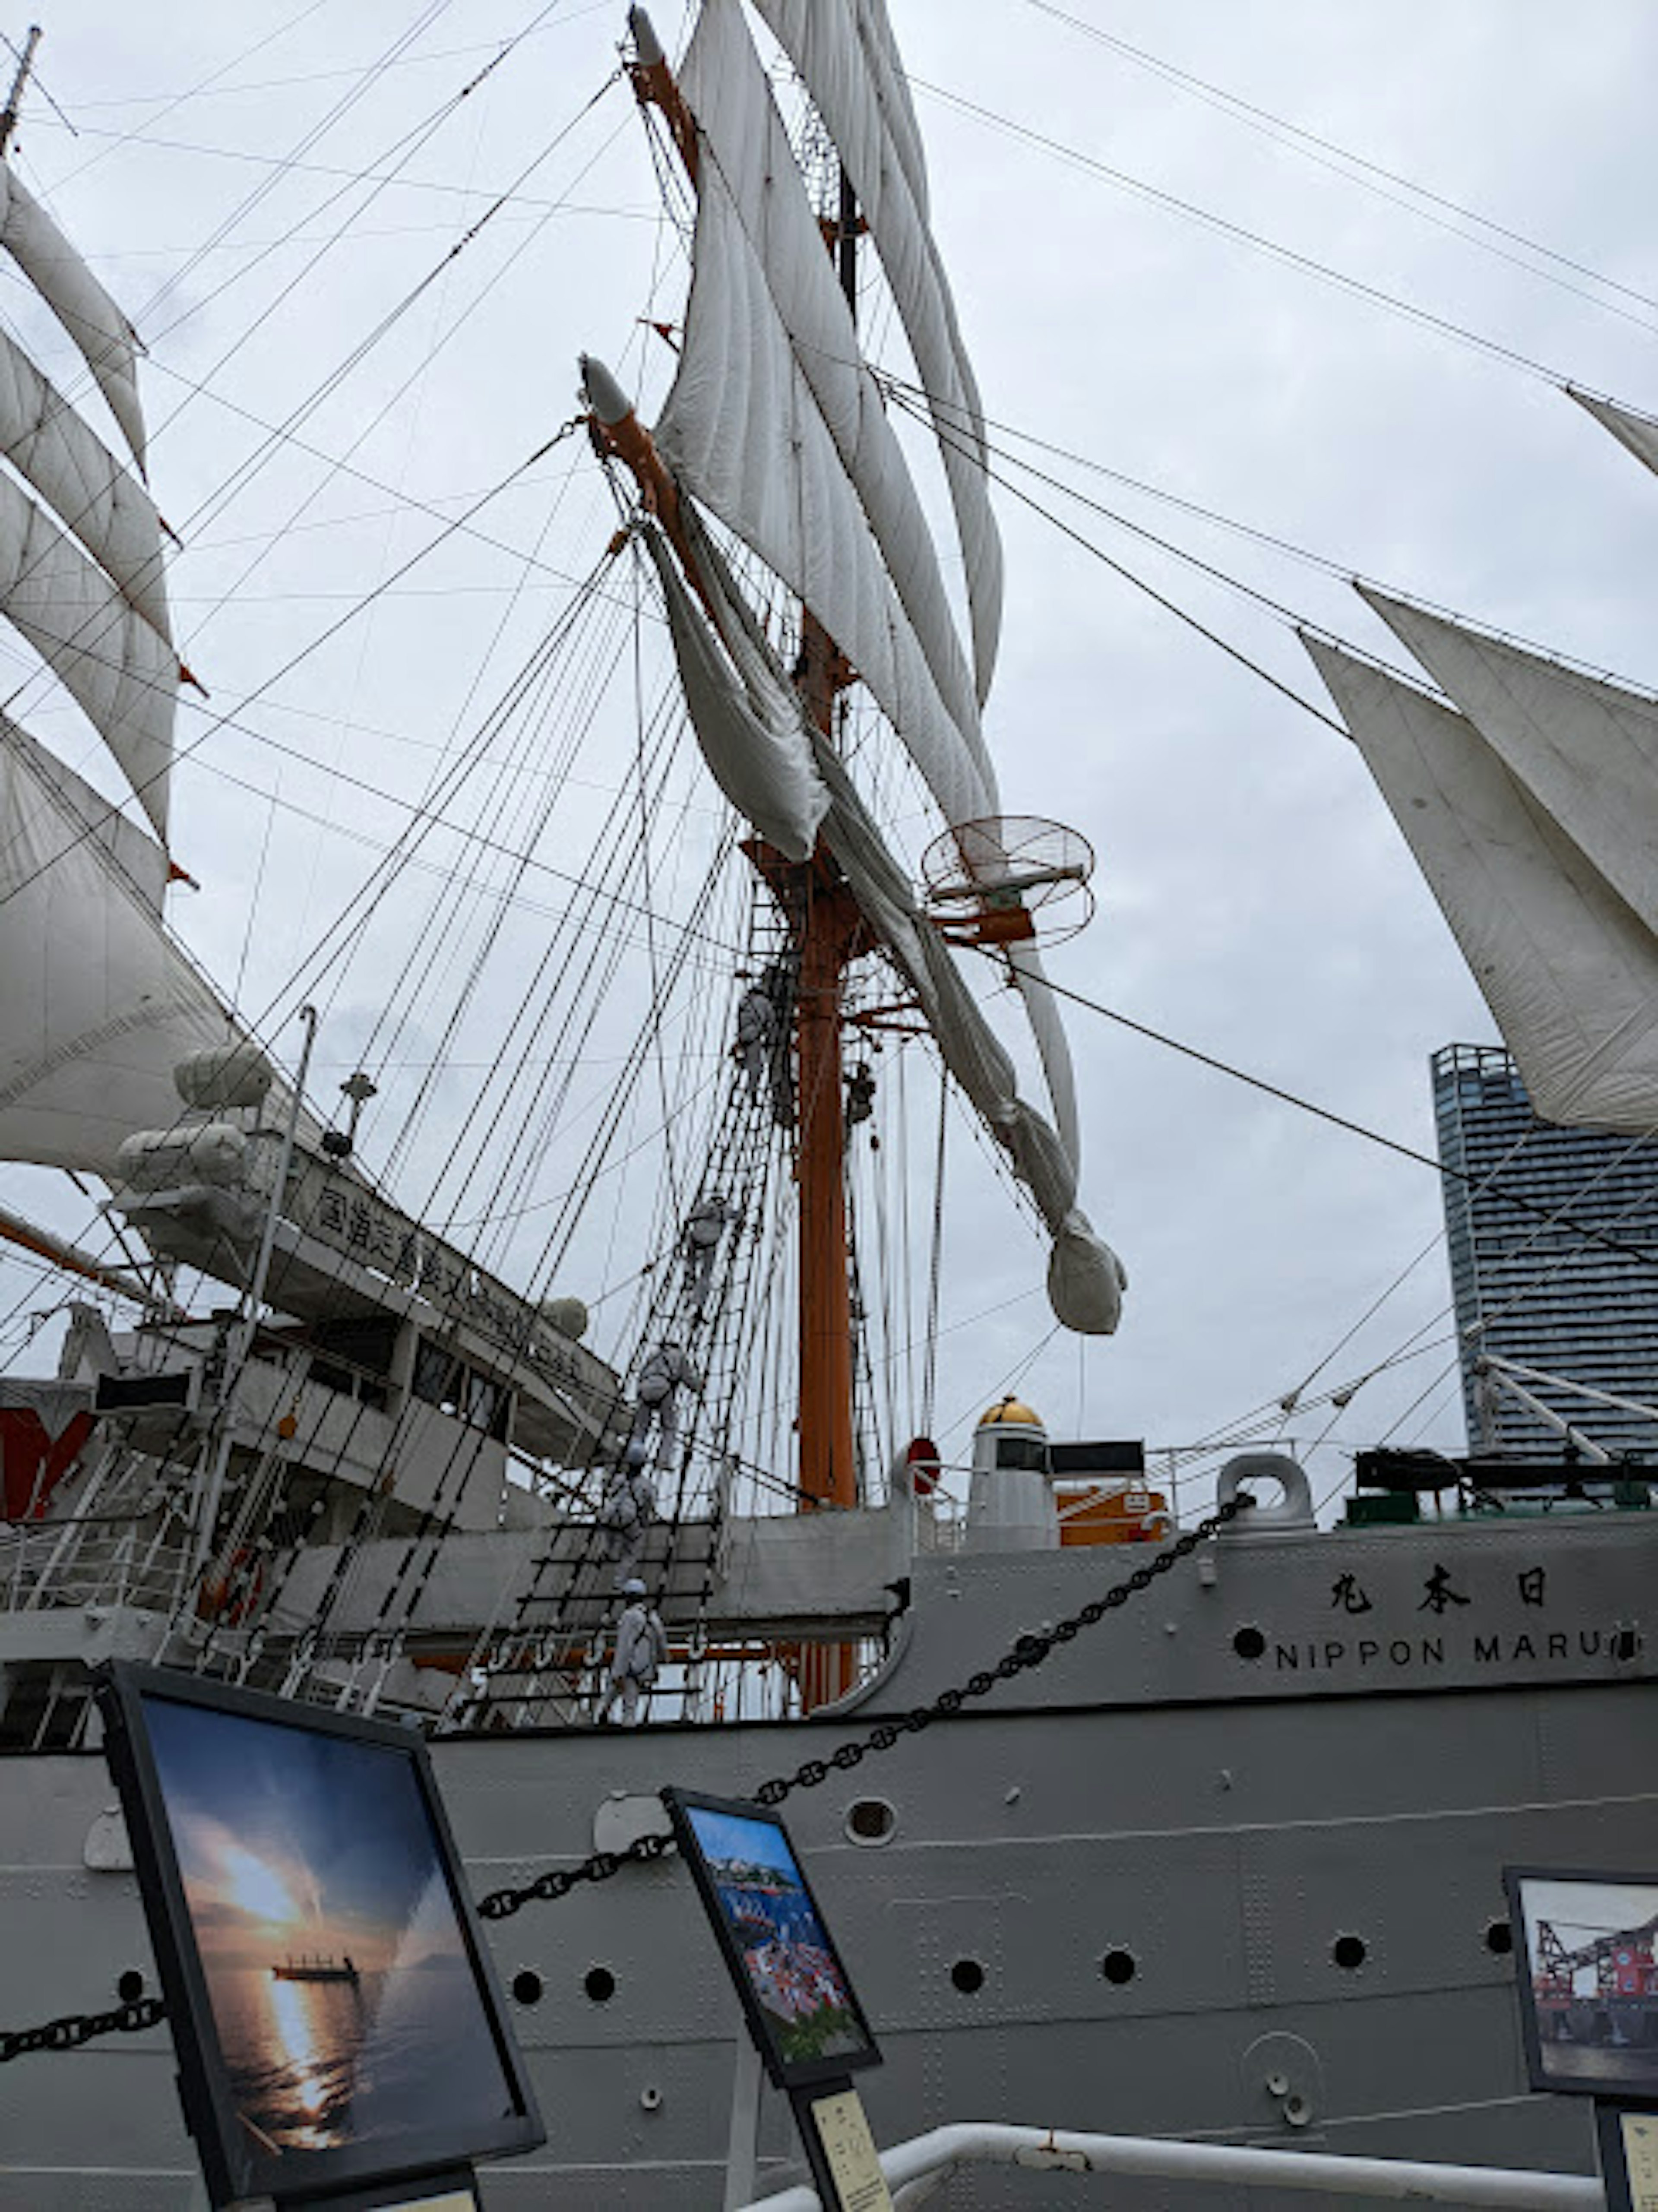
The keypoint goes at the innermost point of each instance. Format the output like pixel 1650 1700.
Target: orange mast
pixel 829 932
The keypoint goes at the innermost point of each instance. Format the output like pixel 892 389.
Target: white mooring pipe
pixel 1397 2180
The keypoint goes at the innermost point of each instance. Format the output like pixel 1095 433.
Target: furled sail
pixel 747 718
pixel 1638 432
pixel 100 331
pixel 844 52
pixel 92 494
pixel 1086 1279
pixel 775 424
pixel 738 709
pixel 1568 967
pixel 117 666
pixel 97 1004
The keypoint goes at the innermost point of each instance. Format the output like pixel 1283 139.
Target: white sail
pixel 120 670
pixel 93 494
pixel 96 1003
pixel 844 52
pixel 1569 971
pixel 1086 1279
pixel 748 721
pixel 776 424
pixel 99 330
pixel 1585 750
pixel 1639 433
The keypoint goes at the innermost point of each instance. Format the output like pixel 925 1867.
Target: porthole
pixel 130 1987
pixel 1249 1643
pixel 1499 1939
pixel 870 1820
pixel 968 1976
pixel 526 1986
pixel 1119 1968
pixel 1349 1952
pixel 599 1982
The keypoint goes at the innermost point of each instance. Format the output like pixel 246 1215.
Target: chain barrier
pixel 75 2028
pixel 1029 1652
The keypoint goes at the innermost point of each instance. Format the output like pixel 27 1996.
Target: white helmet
pixel 633 1587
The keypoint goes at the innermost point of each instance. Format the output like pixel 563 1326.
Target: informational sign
pixel 849 2149
pixel 1585 1956
pixel 1639 2132
pixel 334 2011
pixel 796 1995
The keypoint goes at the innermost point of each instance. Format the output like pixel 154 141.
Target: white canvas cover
pixel 844 52
pixel 106 339
pixel 1585 750
pixel 748 721
pixel 96 1003
pixel 776 425
pixel 1569 971
pixel 120 670
pixel 93 494
pixel 1639 433
pixel 1086 1279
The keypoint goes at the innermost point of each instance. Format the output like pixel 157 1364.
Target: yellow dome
pixel 1010 1409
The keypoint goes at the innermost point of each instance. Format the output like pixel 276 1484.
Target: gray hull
pixel 1161 1793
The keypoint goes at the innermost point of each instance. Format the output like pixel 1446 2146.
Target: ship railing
pixel 914 2169
pixel 112 1550
pixel 112 1563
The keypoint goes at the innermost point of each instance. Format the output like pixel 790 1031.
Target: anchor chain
pixel 75 2028
pixel 1029 1651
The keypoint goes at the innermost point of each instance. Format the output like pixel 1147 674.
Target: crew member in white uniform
pixel 666 1371
pixel 641 1646
pixel 627 1511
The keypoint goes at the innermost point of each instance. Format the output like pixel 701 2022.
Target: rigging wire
pixel 1393 303
pixel 1646 1256
pixel 904 396
pixel 1373 175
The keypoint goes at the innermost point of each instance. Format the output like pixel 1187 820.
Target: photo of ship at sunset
pixel 342 1990
pixel 784 1948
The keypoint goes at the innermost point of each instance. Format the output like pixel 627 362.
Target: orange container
pixel 1132 1515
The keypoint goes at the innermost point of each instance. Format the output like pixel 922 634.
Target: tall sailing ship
pixel 312 1434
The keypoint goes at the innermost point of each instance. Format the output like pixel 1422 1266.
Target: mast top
pixel 15 99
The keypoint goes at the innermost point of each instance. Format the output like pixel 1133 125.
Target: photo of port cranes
pixel 1597 1985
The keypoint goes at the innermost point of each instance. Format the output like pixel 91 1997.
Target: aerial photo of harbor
pixel 791 1964
pixel 342 1992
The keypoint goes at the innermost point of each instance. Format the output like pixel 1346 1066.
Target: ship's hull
pixel 1110 1898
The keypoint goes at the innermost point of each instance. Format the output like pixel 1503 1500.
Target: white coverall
pixel 665 1372
pixel 757 1025
pixel 641 1646
pixel 699 1240
pixel 625 1514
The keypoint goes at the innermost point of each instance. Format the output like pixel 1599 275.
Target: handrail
pixel 987 2143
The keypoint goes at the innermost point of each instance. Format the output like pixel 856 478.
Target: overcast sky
pixel 1255 899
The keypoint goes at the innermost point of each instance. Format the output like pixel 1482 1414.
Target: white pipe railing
pixel 931 2157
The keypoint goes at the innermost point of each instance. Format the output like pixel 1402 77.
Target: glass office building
pixel 1528 1285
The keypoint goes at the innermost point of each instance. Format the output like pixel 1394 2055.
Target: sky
pixel 727 1836
pixel 293 1843
pixel 1255 901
